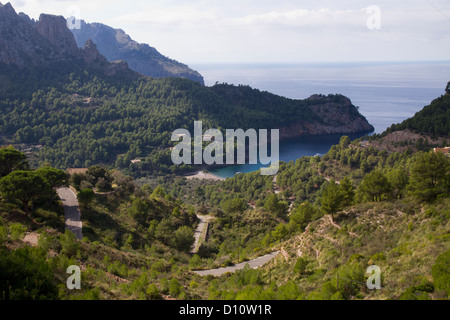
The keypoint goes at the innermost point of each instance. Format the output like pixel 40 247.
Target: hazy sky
pixel 195 31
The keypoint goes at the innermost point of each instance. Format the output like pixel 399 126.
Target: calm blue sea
pixel 385 92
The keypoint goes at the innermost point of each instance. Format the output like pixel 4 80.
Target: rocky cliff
pixel 115 44
pixel 91 53
pixel 54 29
pixel 317 115
pixel 20 42
pixel 337 116
pixel 26 43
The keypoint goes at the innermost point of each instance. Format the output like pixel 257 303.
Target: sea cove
pixel 290 149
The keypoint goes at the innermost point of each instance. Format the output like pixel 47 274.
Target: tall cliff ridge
pixel 115 44
pixel 26 43
pixel 317 115
pixel 54 29
pixel 337 114
pixel 20 42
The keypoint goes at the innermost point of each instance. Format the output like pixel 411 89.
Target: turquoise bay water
pixel 385 92
pixel 290 149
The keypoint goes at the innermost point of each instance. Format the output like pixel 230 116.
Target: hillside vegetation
pixel 431 120
pixel 333 217
pixel 85 118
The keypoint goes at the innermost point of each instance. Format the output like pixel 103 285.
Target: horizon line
pixel 312 62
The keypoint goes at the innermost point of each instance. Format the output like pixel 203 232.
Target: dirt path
pixel 276 189
pixel 255 263
pixel 72 211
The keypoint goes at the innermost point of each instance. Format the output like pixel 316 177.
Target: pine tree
pixel 332 198
pixel 430 175
pixel 348 191
pixel 374 185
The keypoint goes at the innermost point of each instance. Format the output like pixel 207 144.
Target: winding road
pixel 74 224
pixel 255 263
pixel 200 232
pixel 72 211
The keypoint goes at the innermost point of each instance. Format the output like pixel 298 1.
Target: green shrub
pixel 164 285
pixel 440 272
pixel 16 231
pixel 3 234
pixel 25 274
pixel 174 287
pixel 300 266
pixel 152 291
pixel 69 243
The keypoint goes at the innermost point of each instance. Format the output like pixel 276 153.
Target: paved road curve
pixel 255 263
pixel 72 211
pixel 202 225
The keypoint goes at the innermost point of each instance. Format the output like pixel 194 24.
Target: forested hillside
pixel 335 215
pixel 83 117
pixel 431 120
pixel 368 202
pixel 73 108
pixel 330 217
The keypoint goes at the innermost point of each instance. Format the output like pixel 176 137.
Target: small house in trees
pixel 445 150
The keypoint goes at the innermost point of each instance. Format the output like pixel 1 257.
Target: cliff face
pixel 317 115
pixel 54 29
pixel 26 43
pixel 337 116
pixel 91 54
pixel 20 42
pixel 115 44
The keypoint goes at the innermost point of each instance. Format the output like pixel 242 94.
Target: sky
pixel 275 31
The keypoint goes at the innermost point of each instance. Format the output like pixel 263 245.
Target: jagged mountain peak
pixel 115 44
pixel 29 43
pixel 91 53
pixel 26 43
pixel 54 29
pixel 7 8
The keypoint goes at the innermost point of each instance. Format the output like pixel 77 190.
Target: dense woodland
pixel 367 202
pixel 83 118
pixel 330 216
pixel 355 206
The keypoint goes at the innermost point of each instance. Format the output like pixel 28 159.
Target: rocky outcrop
pixel 337 116
pixel 91 54
pixel 54 29
pixel 115 45
pixel 26 43
pixel 19 40
pixel 116 67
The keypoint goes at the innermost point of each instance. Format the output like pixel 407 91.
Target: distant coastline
pixel 385 92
